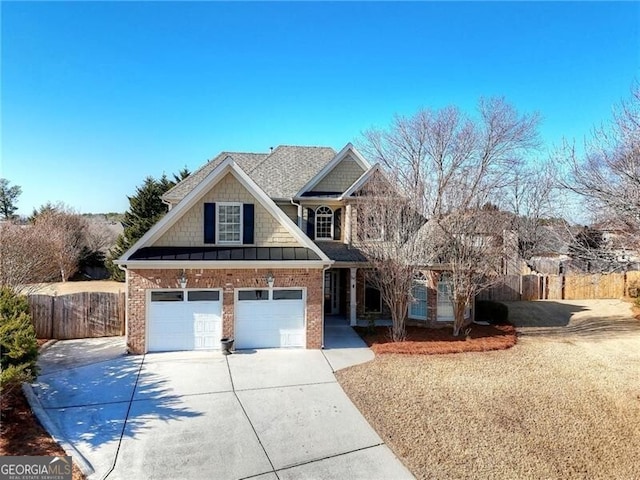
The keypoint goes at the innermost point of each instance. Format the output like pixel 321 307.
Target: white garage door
pixel 184 320
pixel 270 319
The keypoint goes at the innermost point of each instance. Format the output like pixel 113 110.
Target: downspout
pixel 299 212
pixel 324 271
pixel 126 305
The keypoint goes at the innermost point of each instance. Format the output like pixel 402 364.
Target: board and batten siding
pixel 188 229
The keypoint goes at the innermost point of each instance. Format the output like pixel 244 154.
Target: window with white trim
pixel 418 305
pixel 445 300
pixel 229 220
pixel 324 223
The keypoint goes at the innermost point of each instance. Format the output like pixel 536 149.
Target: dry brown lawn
pixel 64 288
pixel 563 403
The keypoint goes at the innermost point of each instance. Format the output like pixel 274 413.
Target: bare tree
pixel 65 237
pixel 23 257
pixel 451 165
pixel 607 175
pixel 535 198
pixel 385 221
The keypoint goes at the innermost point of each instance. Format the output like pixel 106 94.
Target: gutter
pixel 221 264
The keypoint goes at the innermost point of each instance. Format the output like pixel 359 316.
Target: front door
pixel 332 292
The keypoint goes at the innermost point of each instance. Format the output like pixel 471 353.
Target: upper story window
pixel 229 223
pixel 229 217
pixel 324 223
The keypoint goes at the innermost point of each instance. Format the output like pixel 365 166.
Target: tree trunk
pixel 398 329
pixel 459 307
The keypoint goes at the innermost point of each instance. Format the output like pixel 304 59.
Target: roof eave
pixel 221 264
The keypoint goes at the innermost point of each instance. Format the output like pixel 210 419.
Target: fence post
pixel 52 315
pixel 122 312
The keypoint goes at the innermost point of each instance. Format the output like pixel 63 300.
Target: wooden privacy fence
pixel 79 315
pixel 562 287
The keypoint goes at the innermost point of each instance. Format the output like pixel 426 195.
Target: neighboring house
pixel 258 247
pixel 563 253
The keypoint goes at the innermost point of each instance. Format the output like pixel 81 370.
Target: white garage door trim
pixel 278 320
pixel 184 319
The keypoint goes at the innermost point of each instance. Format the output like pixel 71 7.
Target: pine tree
pixel 145 209
pixel 9 198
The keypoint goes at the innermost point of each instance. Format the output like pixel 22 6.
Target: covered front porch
pixel 349 298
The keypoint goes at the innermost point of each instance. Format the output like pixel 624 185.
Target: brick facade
pixel 142 280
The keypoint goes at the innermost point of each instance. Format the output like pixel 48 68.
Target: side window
pixel 418 306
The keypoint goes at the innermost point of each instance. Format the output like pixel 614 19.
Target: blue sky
pixel 96 96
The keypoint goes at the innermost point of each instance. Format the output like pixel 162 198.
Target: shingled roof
pixel 246 161
pixel 281 173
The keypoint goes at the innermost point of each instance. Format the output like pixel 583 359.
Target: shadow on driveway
pixel 584 319
pixel 89 403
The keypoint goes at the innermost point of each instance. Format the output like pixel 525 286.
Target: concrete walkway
pixel 343 347
pixel 264 414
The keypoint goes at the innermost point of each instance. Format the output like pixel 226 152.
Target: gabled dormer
pixel 336 176
pixel 321 198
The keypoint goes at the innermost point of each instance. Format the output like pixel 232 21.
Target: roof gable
pixel 362 181
pixel 348 151
pixel 246 161
pixel 227 166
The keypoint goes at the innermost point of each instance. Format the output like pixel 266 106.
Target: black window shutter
pixel 311 223
pixel 337 227
pixel 247 223
pixel 209 223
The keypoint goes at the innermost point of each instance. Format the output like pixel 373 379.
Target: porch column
pixel 352 302
pixel 347 224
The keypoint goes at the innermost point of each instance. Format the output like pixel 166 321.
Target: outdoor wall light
pixel 270 279
pixel 182 279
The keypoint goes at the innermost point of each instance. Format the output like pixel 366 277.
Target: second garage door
pixel 270 318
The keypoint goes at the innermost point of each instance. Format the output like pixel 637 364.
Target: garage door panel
pixel 185 325
pixel 270 324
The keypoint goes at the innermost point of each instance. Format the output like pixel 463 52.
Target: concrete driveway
pixel 264 414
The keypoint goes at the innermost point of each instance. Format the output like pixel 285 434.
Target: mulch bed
pixel 20 431
pixel 432 341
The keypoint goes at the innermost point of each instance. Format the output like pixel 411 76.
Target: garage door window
pixel 173 296
pixel 203 296
pixel 253 295
pixel 287 294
